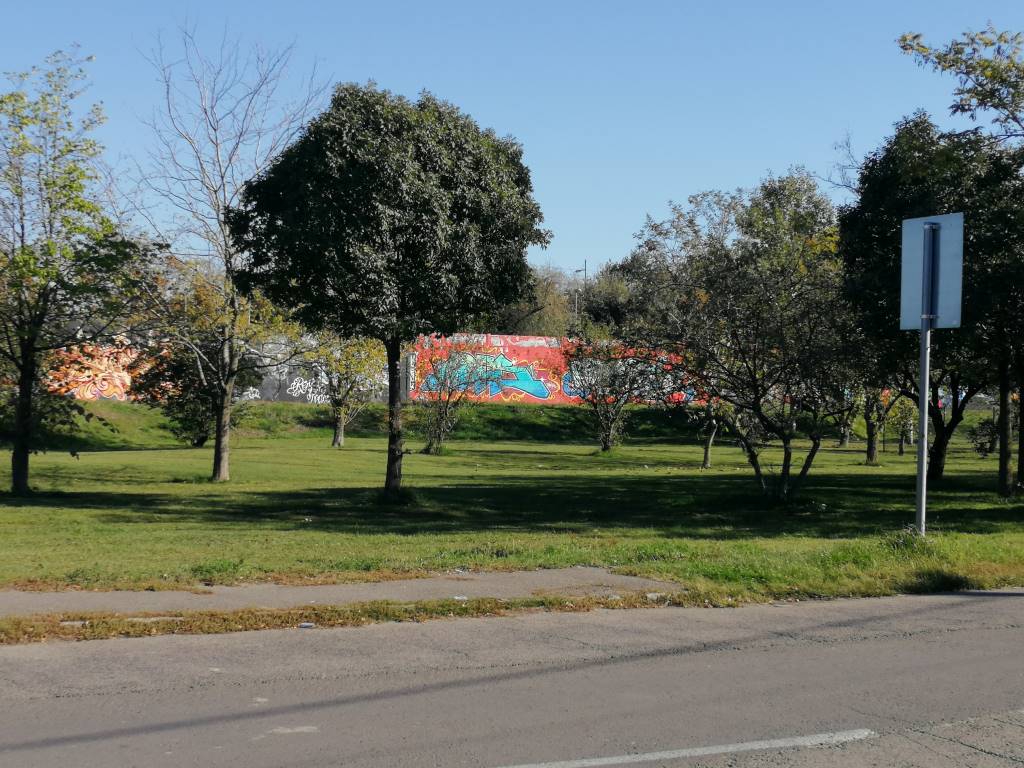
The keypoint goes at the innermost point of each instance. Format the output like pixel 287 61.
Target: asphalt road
pixel 909 681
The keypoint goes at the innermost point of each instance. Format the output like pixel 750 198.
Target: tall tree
pixel 989 69
pixel 65 272
pixel 916 172
pixel 221 121
pixel 388 219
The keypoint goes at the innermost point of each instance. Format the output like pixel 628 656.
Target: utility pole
pixel 577 291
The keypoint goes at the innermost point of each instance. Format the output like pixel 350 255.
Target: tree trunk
pixel 393 476
pixel 871 430
pixel 606 441
pixel 755 463
pixel 787 463
pixel 338 440
pixel 222 440
pixel 808 461
pixel 1003 427
pixel 1020 428
pixel 871 452
pixel 937 455
pixel 844 435
pixel 23 427
pixel 943 432
pixel 1019 483
pixel 903 443
pixel 710 430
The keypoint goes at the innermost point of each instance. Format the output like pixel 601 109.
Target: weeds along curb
pixel 98 626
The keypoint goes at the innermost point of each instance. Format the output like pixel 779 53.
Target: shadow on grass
pixel 698 507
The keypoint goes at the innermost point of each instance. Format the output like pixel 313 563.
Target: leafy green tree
pixel 388 219
pixel 173 380
pixel 916 172
pixel 903 419
pixel 747 290
pixel 989 69
pixel 66 275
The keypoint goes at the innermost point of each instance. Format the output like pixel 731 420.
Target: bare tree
pixel 221 122
pixel 607 376
pixel 453 372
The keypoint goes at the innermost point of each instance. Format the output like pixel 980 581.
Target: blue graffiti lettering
pixel 488 373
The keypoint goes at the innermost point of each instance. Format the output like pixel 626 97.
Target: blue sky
pixel 621 106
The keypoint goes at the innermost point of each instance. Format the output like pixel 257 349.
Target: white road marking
pixel 815 740
pixel 284 731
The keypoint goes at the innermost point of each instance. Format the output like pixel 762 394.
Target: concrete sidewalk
pixel 512 584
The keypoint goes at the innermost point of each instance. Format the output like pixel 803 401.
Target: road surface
pixel 911 681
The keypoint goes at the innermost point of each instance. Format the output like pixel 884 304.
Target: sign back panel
pixel 949 270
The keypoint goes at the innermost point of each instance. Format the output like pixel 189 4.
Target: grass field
pixel 144 517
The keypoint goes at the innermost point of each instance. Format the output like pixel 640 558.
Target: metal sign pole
pixel 931 242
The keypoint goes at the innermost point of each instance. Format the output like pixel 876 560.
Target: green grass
pixel 127 426
pixel 298 511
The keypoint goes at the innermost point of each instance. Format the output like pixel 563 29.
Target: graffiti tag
pixel 312 390
pixel 488 373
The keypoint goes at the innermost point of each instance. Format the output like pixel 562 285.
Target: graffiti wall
pixel 495 368
pixel 93 372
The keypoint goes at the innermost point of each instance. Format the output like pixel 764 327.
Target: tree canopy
pixel 390 218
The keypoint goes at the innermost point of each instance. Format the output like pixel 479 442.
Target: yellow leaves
pixel 826 241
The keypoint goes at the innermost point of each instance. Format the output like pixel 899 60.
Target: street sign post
pixel 931 289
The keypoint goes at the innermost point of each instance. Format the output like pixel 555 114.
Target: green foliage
pixel 54 417
pixel 352 372
pixel 173 382
pixel 989 68
pixel 66 275
pixel 984 436
pixel 389 219
pixel 745 289
pixel 920 171
pixel 546 311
